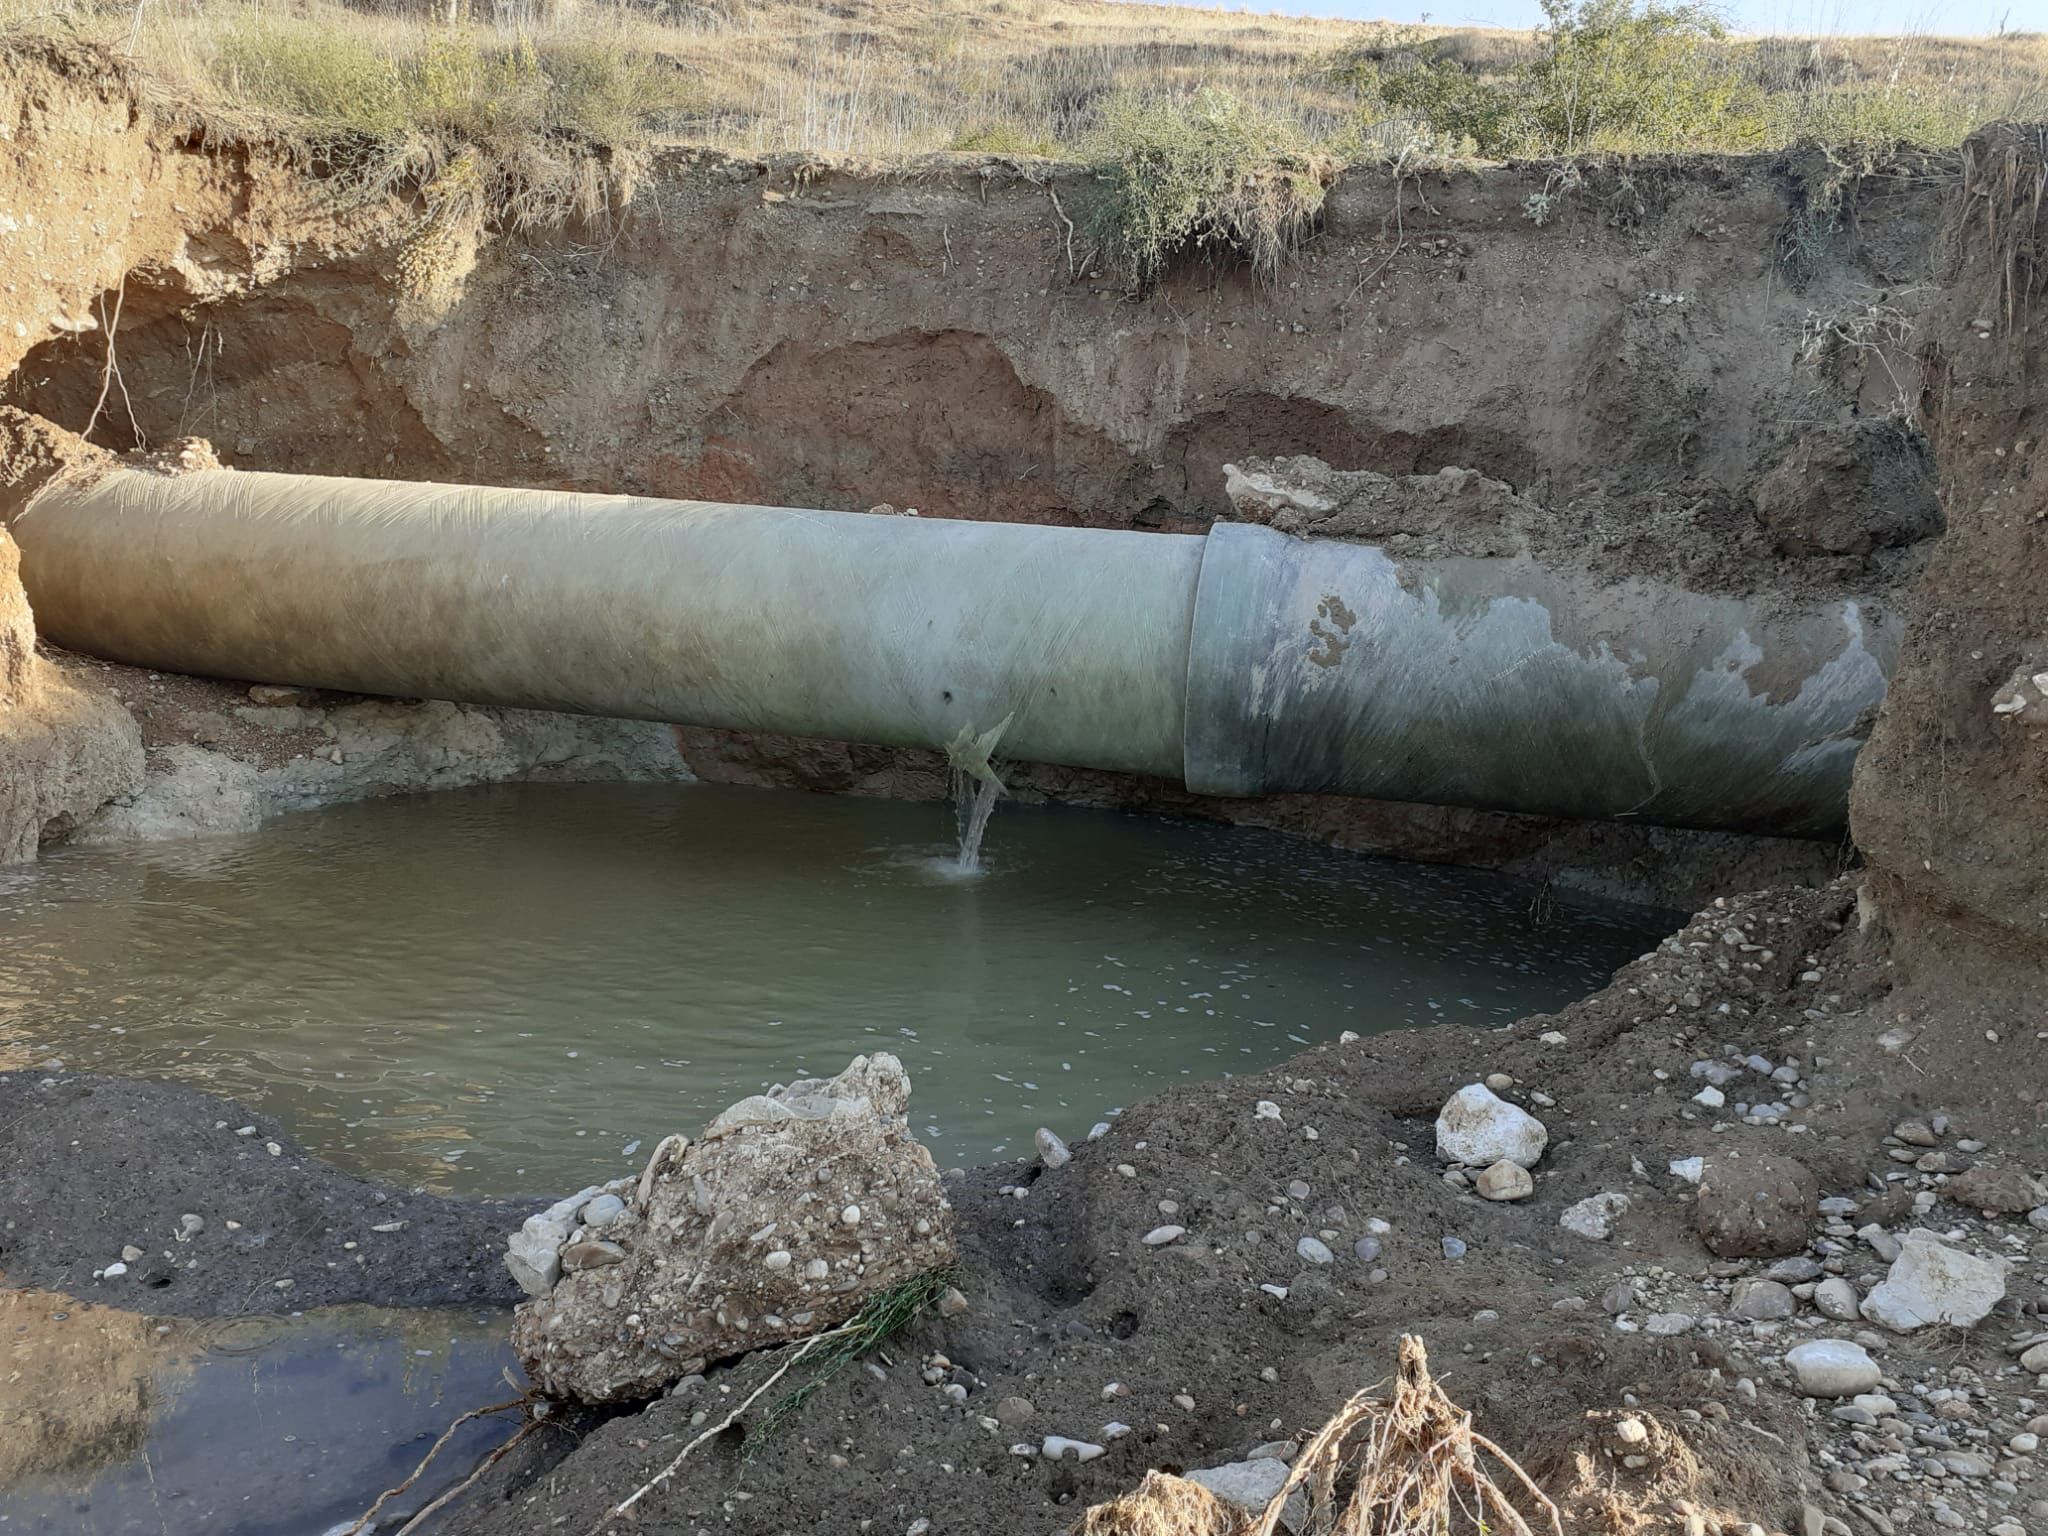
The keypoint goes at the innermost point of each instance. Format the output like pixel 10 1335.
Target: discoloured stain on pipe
pixel 1245 661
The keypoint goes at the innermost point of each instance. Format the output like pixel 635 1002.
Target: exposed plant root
pixel 1163 1505
pixel 366 1520
pixel 1409 1465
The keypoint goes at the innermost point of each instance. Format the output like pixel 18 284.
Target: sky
pixel 1805 17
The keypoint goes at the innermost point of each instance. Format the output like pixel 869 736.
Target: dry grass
pixel 1409 1464
pixel 899 77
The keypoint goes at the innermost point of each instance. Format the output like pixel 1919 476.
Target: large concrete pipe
pixel 1244 661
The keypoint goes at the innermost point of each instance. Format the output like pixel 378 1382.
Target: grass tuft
pixel 883 1316
pixel 1212 176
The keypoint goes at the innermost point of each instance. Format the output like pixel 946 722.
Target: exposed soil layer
pixel 1951 796
pixel 92 1165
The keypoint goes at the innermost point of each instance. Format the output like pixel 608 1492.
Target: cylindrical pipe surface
pixel 897 631
pixel 1502 684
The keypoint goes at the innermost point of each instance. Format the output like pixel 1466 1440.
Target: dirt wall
pixel 1626 350
pixel 1951 796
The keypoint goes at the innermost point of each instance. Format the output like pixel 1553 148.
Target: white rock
pixel 1159 1237
pixel 1689 1169
pixel 1314 1250
pixel 1594 1217
pixel 1836 1298
pixel 1931 1282
pixel 1250 1485
pixel 1833 1368
pixel 1059 1447
pixel 533 1253
pixel 603 1211
pixel 1051 1150
pixel 1506 1181
pixel 114 1271
pixel 1478 1127
pixel 1711 1097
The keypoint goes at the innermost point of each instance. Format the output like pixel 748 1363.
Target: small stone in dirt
pixel 1366 1249
pixel 1833 1368
pixel 1688 1168
pixel 1250 1485
pixel 1314 1250
pixel 1594 1216
pixel 1669 1325
pixel 1915 1133
pixel 1098 1130
pixel 1618 1298
pixel 1478 1128
pixel 1051 1150
pixel 1796 1270
pixel 1506 1181
pixel 114 1271
pixel 1454 1248
pixel 1297 1190
pixel 1015 1411
pixel 952 1303
pixel 1836 1299
pixel 1757 1206
pixel 1710 1097
pixel 1058 1447
pixel 130 1253
pixel 1931 1282
pixel 2035 1360
pixel 1499 1082
pixel 1762 1301
pixel 1631 1432
pixel 1881 1242
pixel 1159 1237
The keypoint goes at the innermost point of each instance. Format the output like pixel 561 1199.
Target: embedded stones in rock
pixel 776 1173
pixel 1479 1128
pixel 1833 1368
pixel 1931 1282
pixel 1756 1206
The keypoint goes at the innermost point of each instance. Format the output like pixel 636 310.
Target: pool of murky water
pixel 117 1424
pixel 512 989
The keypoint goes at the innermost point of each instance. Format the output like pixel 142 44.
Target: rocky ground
pixel 1739 1136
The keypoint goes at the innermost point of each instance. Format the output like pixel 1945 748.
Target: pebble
pixel 1762 1301
pixel 1836 1299
pixel 1668 1325
pixel 1711 1097
pixel 1505 1181
pixel 1833 1368
pixel 1051 1150
pixel 1314 1250
pixel 603 1211
pixel 1159 1237
pixel 130 1254
pixel 1618 1298
pixel 778 1260
pixel 1366 1249
pixel 1058 1447
pixel 1015 1411
pixel 1454 1248
pixel 114 1271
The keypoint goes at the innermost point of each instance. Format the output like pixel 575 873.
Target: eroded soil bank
pixel 1641 358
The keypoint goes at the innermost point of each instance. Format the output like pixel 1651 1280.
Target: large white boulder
pixel 1479 1128
pixel 1931 1282
pixel 793 1209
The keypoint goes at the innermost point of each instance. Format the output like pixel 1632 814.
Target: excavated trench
pixel 1628 387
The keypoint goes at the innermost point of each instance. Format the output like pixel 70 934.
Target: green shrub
pixel 1209 176
pixel 1605 75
